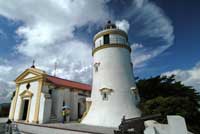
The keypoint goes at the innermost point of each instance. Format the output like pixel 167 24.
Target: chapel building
pixel 39 97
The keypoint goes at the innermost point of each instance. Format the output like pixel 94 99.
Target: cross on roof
pixel 33 65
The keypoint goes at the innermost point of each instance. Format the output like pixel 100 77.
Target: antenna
pixel 55 67
pixel 33 64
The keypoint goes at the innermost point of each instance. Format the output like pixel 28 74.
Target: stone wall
pixel 176 125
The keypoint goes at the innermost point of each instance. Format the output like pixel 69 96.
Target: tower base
pixel 109 116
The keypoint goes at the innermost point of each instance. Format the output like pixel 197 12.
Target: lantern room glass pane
pixel 106 39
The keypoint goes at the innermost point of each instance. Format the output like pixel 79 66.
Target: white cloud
pixel 47 34
pixel 2 34
pixel 136 46
pixel 73 56
pixel 154 23
pixel 153 27
pixel 6 91
pixel 6 86
pixel 123 25
pixel 189 77
pixel 4 69
pixel 140 54
pixel 49 22
pixel 48 28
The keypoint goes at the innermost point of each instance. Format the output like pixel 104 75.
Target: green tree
pixel 164 95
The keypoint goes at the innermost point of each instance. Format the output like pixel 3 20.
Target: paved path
pixel 59 128
pixel 83 127
pixel 2 124
pixel 3 120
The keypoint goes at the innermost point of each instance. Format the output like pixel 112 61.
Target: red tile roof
pixel 67 83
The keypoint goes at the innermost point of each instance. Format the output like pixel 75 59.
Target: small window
pixel 105 96
pixel 135 92
pixel 96 66
pixel 116 40
pixel 63 103
pixel 28 86
pixel 50 91
pixel 106 39
pixel 105 92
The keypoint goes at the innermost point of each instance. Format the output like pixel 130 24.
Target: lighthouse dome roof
pixel 110 25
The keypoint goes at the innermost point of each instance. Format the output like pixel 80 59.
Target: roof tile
pixel 67 83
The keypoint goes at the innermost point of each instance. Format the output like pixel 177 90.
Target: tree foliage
pixel 164 95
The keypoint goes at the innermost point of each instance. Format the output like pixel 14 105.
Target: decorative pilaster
pixel 37 105
pixel 14 101
pixel 28 112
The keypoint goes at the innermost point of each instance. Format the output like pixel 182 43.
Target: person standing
pixel 63 115
pixel 67 115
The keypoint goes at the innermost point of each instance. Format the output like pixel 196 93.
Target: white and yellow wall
pixel 113 84
pixel 42 105
pixel 35 78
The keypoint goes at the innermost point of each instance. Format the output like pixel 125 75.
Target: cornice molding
pixel 30 79
pixel 110 45
pixel 26 93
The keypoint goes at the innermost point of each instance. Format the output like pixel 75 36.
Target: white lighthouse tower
pixel 114 93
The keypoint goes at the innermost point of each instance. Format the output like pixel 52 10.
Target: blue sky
pixel 184 54
pixel 163 34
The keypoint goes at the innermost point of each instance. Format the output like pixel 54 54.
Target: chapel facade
pixel 39 97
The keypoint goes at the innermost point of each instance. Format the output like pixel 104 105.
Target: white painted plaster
pixel 177 125
pixel 34 89
pixel 115 72
pixel 29 76
pixel 74 105
pixel 47 110
pixel 11 109
pixel 99 42
pixel 42 108
pixel 57 103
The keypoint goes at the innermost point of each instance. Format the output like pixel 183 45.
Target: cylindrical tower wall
pixel 112 96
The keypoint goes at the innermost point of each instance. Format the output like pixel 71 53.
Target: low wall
pixel 34 129
pixel 59 128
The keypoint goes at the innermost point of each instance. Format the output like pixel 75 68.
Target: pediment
pixel 29 74
pixel 26 93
